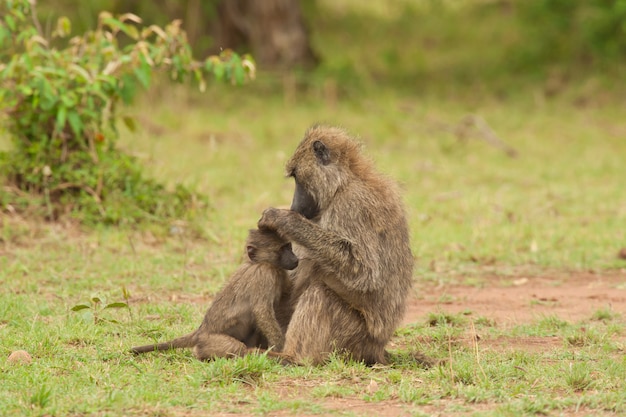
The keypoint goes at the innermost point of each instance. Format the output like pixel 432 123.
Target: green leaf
pixel 77 69
pixel 219 71
pixel 130 123
pixel 125 292
pixel 75 122
pixel 116 305
pixel 61 118
pixel 69 99
pixel 4 34
pixel 97 91
pixel 127 89
pixel 25 89
pixel 59 72
pixel 48 98
pixel 240 74
pixel 130 30
pixel 143 73
pixel 64 27
pixel 10 22
pixel 96 299
pixel 80 307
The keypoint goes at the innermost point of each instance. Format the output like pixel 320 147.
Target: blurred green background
pixel 504 121
pixel 449 46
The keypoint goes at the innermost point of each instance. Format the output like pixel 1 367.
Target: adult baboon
pixel 242 317
pixel 349 229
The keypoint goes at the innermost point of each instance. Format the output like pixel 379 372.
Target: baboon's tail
pixel 185 341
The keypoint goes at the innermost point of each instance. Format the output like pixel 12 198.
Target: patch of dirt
pixel 529 344
pixel 508 301
pixel 512 301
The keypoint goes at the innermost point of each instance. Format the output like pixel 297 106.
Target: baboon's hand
pixel 273 218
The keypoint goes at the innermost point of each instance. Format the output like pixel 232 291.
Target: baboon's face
pixel 303 201
pixel 318 171
pixel 306 168
pixel 266 247
pixel 288 260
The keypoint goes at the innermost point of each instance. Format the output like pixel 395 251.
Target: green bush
pixel 59 100
pixel 583 33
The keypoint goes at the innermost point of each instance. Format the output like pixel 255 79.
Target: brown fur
pixel 243 316
pixel 349 229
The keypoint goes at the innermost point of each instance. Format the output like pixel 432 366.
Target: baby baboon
pixel 349 229
pixel 242 316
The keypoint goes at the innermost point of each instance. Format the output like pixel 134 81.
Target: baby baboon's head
pixel 265 246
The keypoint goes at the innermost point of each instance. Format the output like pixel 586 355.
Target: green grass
pixel 80 368
pixel 473 211
pixel 559 204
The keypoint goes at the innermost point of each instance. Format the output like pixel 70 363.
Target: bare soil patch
pixel 510 301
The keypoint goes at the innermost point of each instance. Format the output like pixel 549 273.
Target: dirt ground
pixel 508 302
pixel 512 301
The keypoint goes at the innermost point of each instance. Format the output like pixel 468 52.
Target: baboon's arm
pixel 263 294
pixel 268 325
pixel 352 270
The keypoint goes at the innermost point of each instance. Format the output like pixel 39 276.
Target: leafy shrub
pixel 60 98
pixel 591 32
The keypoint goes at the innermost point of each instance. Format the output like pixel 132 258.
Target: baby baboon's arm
pixel 265 293
pixel 268 325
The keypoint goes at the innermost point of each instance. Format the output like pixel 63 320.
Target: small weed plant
pixel 60 98
pixel 97 305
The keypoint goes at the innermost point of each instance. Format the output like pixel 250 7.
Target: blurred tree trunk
pixel 273 30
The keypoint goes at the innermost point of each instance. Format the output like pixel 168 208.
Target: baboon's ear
pixel 251 252
pixel 321 152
